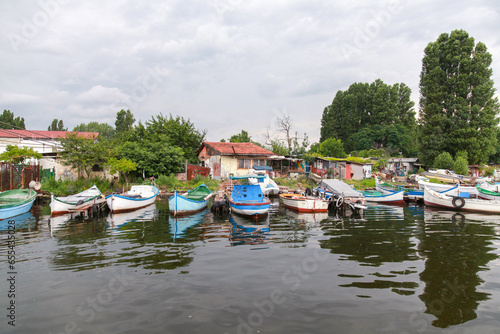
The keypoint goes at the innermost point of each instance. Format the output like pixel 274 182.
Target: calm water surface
pixel 396 270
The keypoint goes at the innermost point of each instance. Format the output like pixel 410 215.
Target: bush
pixel 444 161
pixel 70 187
pixel 461 166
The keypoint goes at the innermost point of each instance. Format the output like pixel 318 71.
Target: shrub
pixel 444 161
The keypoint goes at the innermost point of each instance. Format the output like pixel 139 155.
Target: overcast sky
pixel 227 65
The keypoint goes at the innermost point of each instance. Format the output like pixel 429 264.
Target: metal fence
pixel 18 176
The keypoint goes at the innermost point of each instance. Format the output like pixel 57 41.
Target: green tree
pixel 278 148
pixel 241 137
pixel 105 130
pixel 17 154
pixel 7 121
pixel 354 114
pixel 332 148
pixel 444 161
pixel 458 110
pixel 461 166
pixel 124 121
pixel 57 125
pixel 83 153
pixel 124 166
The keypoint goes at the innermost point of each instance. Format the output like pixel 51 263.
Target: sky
pixel 224 65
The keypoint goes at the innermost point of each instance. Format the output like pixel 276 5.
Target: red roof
pixel 29 134
pixel 237 148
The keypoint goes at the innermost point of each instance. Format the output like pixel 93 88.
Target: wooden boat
pixel 459 203
pixel 395 198
pixel 137 197
pixel 248 199
pixel 194 200
pixel 439 187
pixel 488 191
pixel 62 205
pixel 15 202
pixel 303 203
pixel 384 187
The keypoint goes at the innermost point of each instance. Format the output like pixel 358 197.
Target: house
pixel 47 143
pixel 403 166
pixel 341 168
pixel 226 159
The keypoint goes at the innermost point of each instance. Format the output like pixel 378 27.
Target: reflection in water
pixel 456 249
pixel 249 230
pixel 21 222
pixel 180 224
pixel 148 213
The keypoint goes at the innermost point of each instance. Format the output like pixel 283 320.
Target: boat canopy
pixel 241 177
pixel 340 188
pixel 266 168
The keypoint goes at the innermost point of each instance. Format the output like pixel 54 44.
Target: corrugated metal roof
pixel 340 188
pixel 238 148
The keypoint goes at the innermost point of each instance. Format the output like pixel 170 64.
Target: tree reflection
pixel 456 249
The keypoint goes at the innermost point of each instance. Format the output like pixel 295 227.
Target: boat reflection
pixel 179 225
pixel 248 230
pixel 146 214
pixel 23 221
pixel 312 219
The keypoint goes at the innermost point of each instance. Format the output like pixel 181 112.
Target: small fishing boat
pixel 388 189
pixel 194 200
pixel 137 197
pixel 248 199
pixel 457 202
pixel 65 204
pixel 395 198
pixel 303 203
pixel 488 191
pixel 439 187
pixel 15 202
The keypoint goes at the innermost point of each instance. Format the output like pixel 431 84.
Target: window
pixel 259 162
pixel 244 163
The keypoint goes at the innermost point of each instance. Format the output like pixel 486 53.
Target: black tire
pixel 458 202
pixel 340 202
pixel 308 192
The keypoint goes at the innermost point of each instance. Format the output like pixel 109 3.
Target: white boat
pixel 267 185
pixel 439 187
pixel 446 200
pixel 64 204
pixel 303 203
pixel 395 198
pixel 137 197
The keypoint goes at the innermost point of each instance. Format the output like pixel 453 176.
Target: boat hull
pixel 16 202
pixel 123 202
pixel 180 205
pixel 396 198
pixel 250 209
pixel 440 187
pixel 304 203
pixel 445 200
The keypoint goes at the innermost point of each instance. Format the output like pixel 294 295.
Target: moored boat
pixel 248 199
pixel 303 203
pixel 137 197
pixel 488 191
pixel 64 204
pixel 439 187
pixel 267 185
pixel 15 202
pixel 447 200
pixel 194 200
pixel 395 198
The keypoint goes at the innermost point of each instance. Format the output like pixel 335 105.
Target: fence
pixel 18 176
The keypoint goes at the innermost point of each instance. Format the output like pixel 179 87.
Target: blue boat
pixel 15 202
pixel 194 200
pixel 248 199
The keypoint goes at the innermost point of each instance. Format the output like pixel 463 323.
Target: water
pixel 396 270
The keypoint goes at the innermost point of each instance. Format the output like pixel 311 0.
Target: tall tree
pixel 105 130
pixel 124 121
pixel 57 125
pixel 83 153
pixel 353 114
pixel 7 121
pixel 457 107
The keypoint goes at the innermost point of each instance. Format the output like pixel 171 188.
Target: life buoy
pixel 458 202
pixel 340 201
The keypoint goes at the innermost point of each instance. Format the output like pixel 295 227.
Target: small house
pixel 226 159
pixel 403 166
pixel 341 169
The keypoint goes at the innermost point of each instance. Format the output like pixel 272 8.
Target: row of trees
pixel 457 110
